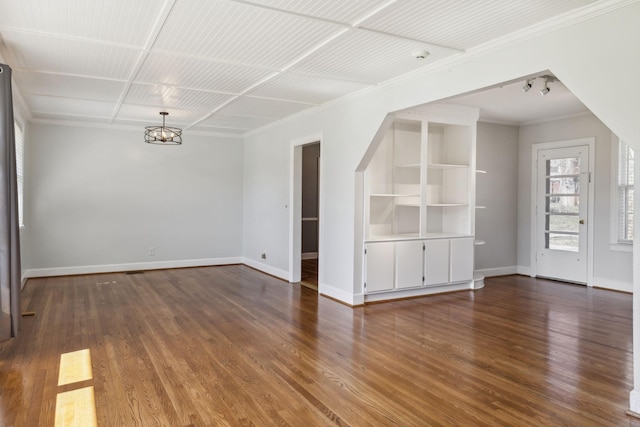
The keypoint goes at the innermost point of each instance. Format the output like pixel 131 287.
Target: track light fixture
pixel 545 89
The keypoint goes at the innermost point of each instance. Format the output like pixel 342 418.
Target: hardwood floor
pixel 231 346
pixel 309 273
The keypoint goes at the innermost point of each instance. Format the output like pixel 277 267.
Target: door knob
pixel 582 221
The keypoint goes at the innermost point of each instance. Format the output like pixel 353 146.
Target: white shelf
pixel 446 205
pixel 481 207
pixel 480 171
pixel 410 166
pixel 393 195
pixel 479 242
pixel 445 166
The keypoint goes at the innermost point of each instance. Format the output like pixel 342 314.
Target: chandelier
pixel 163 135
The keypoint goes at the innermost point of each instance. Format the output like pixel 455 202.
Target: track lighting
pixel 545 90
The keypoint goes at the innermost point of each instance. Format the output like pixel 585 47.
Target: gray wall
pixel 611 268
pixel 497 190
pixel 98 197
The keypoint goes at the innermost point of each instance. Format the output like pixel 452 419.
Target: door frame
pixel 535 148
pixel 295 206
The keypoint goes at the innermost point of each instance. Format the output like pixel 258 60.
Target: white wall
pixel 98 199
pixel 349 125
pixel 611 268
pixel 497 190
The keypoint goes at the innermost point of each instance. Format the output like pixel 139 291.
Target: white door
pixel 562 206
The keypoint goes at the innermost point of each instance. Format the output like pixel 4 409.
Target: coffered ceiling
pixel 230 66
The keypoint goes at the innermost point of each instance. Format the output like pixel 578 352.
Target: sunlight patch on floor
pixel 76 408
pixel 75 367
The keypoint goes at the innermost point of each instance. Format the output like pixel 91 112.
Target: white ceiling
pixel 231 66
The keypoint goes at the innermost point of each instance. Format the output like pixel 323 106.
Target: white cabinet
pixel 409 260
pixel 379 266
pixel 411 264
pixel 461 259
pixel 419 200
pixel 436 262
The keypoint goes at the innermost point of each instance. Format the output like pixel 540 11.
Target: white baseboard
pixel 498 271
pixel 114 268
pixel 340 295
pixel 634 401
pixel 281 274
pixel 615 285
pixel 309 255
pixel 523 270
pixel 418 292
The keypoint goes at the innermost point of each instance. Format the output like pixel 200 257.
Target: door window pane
pixel 562 204
pixel 562 242
pixel 567 223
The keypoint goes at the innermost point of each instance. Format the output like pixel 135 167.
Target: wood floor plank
pixel 230 346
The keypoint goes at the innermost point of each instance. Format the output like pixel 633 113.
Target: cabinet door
pixel 461 259
pixel 436 262
pixel 409 264
pixel 379 259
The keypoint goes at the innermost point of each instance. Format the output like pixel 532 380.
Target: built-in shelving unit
pixel 419 205
pixel 478 278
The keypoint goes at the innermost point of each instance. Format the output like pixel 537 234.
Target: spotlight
pixel 527 85
pixel 545 90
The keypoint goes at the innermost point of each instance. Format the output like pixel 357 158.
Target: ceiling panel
pixel 258 107
pixel 197 74
pixel 150 115
pixel 68 107
pixel 306 88
pixel 208 129
pixel 335 10
pixel 367 57
pixel 464 24
pixel 172 97
pixel 238 33
pixel 34 83
pixel 37 52
pixel 118 21
pixel 237 122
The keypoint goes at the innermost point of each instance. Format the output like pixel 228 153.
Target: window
pixel 625 193
pixel 19 135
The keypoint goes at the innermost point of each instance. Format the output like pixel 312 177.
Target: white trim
pixel 340 295
pixel 422 291
pixel 590 142
pixel 634 401
pixel 309 255
pixel 115 268
pixel 498 271
pixel 295 204
pixel 265 268
pixel 615 285
pixel 524 270
pixel 621 247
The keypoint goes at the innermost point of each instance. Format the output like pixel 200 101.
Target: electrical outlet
pixel 152 251
pixel 263 256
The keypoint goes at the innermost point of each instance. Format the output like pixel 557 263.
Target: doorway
pixel 310 215
pixel 305 168
pixel 561 233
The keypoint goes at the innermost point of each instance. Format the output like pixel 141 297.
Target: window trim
pixel 20 169
pixel 614 242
